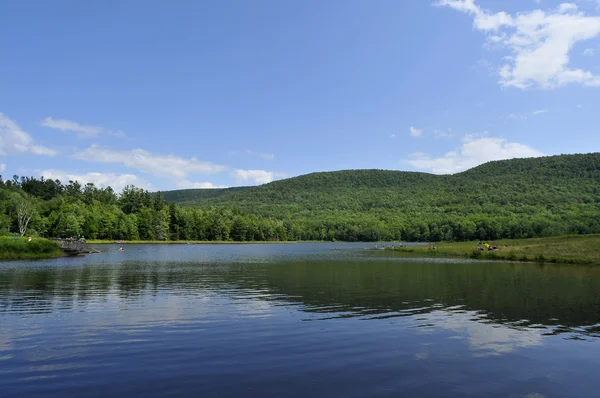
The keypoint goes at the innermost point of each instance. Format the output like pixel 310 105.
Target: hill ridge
pixel 506 198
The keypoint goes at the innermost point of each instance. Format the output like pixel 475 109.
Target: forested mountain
pixel 510 198
pixel 513 199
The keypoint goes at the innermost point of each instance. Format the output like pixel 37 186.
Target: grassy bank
pixel 175 242
pixel 19 248
pixel 573 249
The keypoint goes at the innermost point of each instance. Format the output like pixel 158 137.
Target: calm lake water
pixel 297 320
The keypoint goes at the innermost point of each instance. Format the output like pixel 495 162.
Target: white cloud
pixel 263 155
pixel 484 338
pixel 540 43
pixel 392 135
pixel 443 133
pixel 157 165
pixel 81 130
pixel 525 116
pixel 475 150
pixel 185 184
pixel 588 52
pixel 415 132
pixel 256 176
pixel 101 180
pixel 483 66
pixel 266 156
pixel 13 140
pixel 520 116
pixel 2 167
pixel 68 125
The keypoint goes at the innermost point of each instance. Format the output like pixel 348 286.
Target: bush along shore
pixel 13 248
pixel 571 249
pixel 179 242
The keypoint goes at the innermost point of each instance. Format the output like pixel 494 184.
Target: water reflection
pixel 167 321
pixel 562 299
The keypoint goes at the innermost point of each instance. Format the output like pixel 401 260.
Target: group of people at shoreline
pixel 485 246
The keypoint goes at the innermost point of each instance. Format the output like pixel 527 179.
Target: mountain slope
pixel 515 198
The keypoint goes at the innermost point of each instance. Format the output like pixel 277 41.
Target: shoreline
pixel 12 256
pixel 181 242
pixel 20 248
pixel 569 249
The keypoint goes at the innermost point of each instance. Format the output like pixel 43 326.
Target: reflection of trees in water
pixel 517 294
pixel 520 295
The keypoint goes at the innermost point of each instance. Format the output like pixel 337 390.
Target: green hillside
pixel 190 195
pixel 511 198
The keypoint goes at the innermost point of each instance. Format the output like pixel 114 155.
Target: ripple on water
pixel 295 320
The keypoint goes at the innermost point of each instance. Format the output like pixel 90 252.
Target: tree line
pixel 49 208
pixel 520 198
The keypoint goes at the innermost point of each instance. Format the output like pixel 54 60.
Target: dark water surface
pixel 295 320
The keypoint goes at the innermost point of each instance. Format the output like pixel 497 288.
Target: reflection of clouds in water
pixel 7 337
pixel 169 310
pixel 423 353
pixel 160 310
pixel 254 308
pixel 484 338
pixel 57 345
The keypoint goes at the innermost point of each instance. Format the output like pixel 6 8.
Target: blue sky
pixel 184 94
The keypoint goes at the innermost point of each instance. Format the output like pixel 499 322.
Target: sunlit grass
pixel 576 249
pixel 20 248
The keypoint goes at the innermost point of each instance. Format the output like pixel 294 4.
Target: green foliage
pixel 55 210
pixel 519 198
pixel 580 249
pixel 20 248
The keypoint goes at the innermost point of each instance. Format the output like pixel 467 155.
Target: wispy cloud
pixel 185 184
pixel 443 133
pixel 68 125
pixel 588 52
pixel 172 166
pixel 262 155
pixel 415 132
pixel 266 156
pixel 256 176
pixel 101 180
pixel 13 140
pixel 392 135
pixel 475 150
pixel 82 131
pixel 525 116
pixel 540 42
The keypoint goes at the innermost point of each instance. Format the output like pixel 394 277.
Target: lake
pixel 295 320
